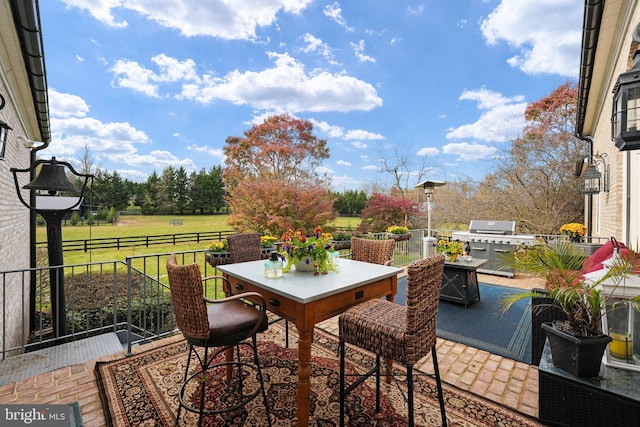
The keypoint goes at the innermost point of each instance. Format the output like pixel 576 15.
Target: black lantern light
pixel 594 181
pixel 625 117
pixel 4 132
pixel 51 181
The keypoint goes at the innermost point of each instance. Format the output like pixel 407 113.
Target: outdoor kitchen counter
pixel 460 281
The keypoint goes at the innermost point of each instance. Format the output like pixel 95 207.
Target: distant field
pixel 141 225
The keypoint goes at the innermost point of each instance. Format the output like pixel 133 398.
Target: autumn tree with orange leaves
pixel 273 177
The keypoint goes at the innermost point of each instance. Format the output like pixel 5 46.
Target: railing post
pixel 129 316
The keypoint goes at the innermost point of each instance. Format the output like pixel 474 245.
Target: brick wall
pixel 14 233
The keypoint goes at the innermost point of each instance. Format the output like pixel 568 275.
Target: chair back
pixel 187 298
pixel 244 247
pixel 374 251
pixel 424 280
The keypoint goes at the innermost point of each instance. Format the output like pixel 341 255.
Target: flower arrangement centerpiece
pixel 307 252
pixel 218 246
pixel 450 249
pixel 573 229
pixel 268 241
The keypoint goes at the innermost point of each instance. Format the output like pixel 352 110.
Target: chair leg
pixel 342 392
pixel 377 383
pixel 256 360
pixel 410 395
pixel 203 363
pixel 186 375
pixel 434 357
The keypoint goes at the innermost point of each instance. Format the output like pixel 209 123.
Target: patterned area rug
pixel 142 391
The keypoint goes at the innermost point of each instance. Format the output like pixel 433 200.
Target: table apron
pixel 323 308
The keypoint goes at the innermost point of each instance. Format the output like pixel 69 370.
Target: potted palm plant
pixel 577 342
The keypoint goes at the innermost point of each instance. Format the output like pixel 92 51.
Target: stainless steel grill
pixel 490 240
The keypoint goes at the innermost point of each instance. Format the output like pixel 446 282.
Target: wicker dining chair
pixel 374 251
pixel 244 247
pixel 394 332
pixel 223 324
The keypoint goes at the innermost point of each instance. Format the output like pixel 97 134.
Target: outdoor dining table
pixel 305 299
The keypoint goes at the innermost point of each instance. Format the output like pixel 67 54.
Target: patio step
pixel 27 365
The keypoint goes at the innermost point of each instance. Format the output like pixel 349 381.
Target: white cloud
pixel 359 145
pixel 416 10
pixel 286 88
pixel 362 134
pixel 205 149
pixel 502 119
pixel 65 105
pixel 469 152
pixel 334 12
pixel 343 163
pixel 226 19
pixel 134 76
pixel 314 44
pixel 548 34
pixel 428 152
pixel 358 49
pixel 331 130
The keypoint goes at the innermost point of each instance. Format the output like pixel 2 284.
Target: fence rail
pixel 87 245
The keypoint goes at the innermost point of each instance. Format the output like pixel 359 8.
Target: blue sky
pixel 146 83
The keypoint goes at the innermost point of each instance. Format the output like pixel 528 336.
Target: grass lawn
pixel 142 225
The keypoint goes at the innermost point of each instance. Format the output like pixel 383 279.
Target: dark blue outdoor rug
pixel 481 325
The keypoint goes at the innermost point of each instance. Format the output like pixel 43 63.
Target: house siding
pixel 612 213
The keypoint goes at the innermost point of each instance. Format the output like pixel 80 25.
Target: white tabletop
pixel 305 287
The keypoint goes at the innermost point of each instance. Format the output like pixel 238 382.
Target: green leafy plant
pixel 582 300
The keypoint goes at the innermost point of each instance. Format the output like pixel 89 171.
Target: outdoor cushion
pixel 605 252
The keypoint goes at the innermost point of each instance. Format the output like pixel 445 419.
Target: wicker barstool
pixel 402 333
pixel 244 247
pixel 224 324
pixel 375 251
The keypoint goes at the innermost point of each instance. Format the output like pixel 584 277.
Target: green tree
pixel 152 198
pixel 181 190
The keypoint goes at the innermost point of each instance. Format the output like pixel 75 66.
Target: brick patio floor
pixel 510 383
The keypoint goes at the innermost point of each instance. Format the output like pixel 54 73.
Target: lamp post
pixel 52 180
pixel 429 188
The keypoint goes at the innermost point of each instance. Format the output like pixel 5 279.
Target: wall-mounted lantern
pixel 4 132
pixel 625 117
pixel 594 181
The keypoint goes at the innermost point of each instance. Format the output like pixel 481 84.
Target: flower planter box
pixel 399 237
pixel 341 244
